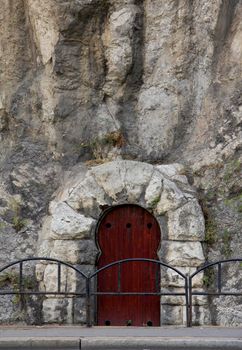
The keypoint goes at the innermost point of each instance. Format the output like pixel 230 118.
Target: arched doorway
pixel 128 231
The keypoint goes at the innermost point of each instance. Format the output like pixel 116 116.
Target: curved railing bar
pixel 16 262
pixel 213 264
pixel 133 260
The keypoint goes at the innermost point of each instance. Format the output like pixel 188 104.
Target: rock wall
pixel 88 81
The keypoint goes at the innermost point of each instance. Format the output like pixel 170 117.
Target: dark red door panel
pixel 128 231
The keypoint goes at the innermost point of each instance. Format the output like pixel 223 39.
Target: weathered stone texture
pixel 157 71
pixel 93 81
pixel 68 224
pixel 172 279
pixel 186 223
pixel 75 251
pixel 183 253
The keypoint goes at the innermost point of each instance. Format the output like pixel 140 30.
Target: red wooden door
pixel 128 231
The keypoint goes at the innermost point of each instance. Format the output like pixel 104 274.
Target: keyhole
pixel 128 225
pixel 108 225
pixel 149 225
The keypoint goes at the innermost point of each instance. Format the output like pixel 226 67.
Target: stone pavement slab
pixel 80 331
pixel 115 338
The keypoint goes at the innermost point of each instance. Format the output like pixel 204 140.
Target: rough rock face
pixel 149 80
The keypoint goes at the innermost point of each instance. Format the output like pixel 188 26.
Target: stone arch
pixel 69 230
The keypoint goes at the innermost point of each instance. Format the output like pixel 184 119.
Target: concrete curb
pixel 144 343
pixel 118 343
pixel 60 343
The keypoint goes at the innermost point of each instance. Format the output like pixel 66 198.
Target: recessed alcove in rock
pixel 69 231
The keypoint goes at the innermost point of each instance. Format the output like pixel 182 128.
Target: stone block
pixel 68 224
pixel 200 299
pixel 118 177
pixel 154 189
pixel 57 310
pixel 176 315
pixel 79 308
pixel 137 176
pixel 110 177
pixel 51 279
pixel 201 315
pixel 44 234
pixel 45 248
pixel 186 223
pixel 180 299
pixel 88 196
pixel 173 299
pixel 170 278
pixel 75 252
pixel 171 198
pixel 70 280
pixel 182 253
pixel 39 271
pixel 171 315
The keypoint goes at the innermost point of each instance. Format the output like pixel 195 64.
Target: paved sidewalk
pixel 163 338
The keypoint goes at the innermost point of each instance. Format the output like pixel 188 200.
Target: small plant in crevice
pixel 17 221
pixel 239 208
pixel 211 228
pixel 209 277
pixel 232 168
pixel 235 202
pixel 154 202
pixel 114 139
pixel 211 233
pixel 226 247
pixel 11 278
pixel 230 184
pixel 2 225
pixel 98 145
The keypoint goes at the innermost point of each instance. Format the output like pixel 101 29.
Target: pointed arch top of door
pixel 131 229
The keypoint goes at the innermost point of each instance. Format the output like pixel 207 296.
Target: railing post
pixel 59 278
pixel 189 306
pixel 187 299
pixel 88 302
pixel 21 291
pixel 219 282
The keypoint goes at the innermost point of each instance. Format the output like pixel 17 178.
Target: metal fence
pixel 90 291
pixel 215 288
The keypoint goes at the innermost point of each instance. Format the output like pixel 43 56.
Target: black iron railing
pixel 214 287
pixel 119 292
pixel 90 291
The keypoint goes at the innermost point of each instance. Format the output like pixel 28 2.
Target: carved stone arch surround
pixel 69 231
